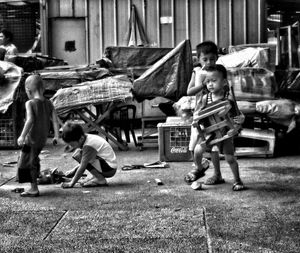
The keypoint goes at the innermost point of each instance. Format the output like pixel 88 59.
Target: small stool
pixel 217 117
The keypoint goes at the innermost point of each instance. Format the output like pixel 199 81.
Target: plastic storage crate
pixel 174 138
pixel 11 124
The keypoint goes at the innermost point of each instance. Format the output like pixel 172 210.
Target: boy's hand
pixel 239 119
pixel 54 141
pixel 21 141
pixel 202 76
pixel 66 185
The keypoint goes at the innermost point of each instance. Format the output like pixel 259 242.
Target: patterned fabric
pixel 116 88
pixel 10 77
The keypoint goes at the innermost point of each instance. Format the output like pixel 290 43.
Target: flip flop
pixel 238 186
pixel 29 194
pixel 214 180
pixel 194 175
pixel 132 167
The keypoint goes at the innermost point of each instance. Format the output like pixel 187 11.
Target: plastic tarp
pixel 248 57
pixel 133 57
pixel 252 84
pixel 288 80
pixel 280 111
pixel 10 77
pixel 169 77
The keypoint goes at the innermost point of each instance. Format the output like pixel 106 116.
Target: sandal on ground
pixel 29 194
pixel 93 183
pixel 214 180
pixel 238 186
pixel 194 175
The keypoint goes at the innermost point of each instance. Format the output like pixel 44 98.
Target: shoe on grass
pixel 214 180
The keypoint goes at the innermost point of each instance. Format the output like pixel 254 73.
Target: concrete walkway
pixel 134 214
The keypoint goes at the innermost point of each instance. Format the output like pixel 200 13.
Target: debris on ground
pixel 196 185
pixel 158 181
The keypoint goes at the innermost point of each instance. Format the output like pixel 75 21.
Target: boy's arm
pixel 192 88
pixel 88 154
pixel 55 126
pixel 28 123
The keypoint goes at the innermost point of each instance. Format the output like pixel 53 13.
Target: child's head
pixel 6 37
pixel 33 85
pixel 73 134
pixel 207 53
pixel 216 78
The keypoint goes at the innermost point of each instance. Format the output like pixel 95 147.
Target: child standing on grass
pixel 93 153
pixel 39 111
pixel 207 55
pixel 218 90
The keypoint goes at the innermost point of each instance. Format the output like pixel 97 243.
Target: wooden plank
pixel 180 21
pixel 230 22
pixel 122 21
pixel 107 23
pixel 209 20
pixel 223 24
pixel 194 23
pixel 238 25
pixel 115 30
pixel 216 126
pixel 158 23
pixel 66 8
pixel 94 31
pixel 87 28
pixel 187 14
pixel 173 23
pixel 53 9
pixel 252 22
pixel 79 7
pixel 166 29
pixel 151 27
pixel 245 21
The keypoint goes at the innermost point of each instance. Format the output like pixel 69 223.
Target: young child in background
pixel 39 111
pixel 6 39
pixel 218 90
pixel 207 55
pixel 93 154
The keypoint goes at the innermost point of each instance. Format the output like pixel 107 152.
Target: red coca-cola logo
pixel 178 150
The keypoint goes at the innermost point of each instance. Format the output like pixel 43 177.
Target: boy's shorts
pixel 225 147
pixel 99 164
pixel 28 164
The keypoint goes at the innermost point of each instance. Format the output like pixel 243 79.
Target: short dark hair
pixel 8 34
pixel 207 47
pixel 72 132
pixel 219 68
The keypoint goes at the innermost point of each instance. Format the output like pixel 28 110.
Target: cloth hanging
pixel 135 35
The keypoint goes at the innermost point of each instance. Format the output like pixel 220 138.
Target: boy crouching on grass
pixel 93 154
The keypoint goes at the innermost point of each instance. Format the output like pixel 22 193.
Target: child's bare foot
pixel 94 182
pixel 30 193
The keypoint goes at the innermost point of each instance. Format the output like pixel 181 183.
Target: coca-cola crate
pixel 173 141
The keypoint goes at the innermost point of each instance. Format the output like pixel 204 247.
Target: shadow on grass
pixel 279 170
pixel 279 188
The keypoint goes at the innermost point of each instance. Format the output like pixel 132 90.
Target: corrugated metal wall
pixel 166 22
